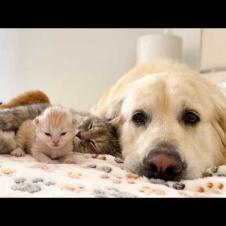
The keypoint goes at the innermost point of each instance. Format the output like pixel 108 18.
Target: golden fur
pixel 163 90
pixel 30 97
pixel 32 138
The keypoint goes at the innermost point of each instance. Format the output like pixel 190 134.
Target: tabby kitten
pixel 48 137
pixel 7 142
pixel 95 135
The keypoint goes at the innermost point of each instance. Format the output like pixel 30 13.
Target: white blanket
pixel 92 176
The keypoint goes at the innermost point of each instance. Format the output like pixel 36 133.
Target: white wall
pixel 73 66
pixel 191 45
pixel 8 59
pixel 213 49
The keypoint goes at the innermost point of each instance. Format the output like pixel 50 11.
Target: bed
pixel 94 176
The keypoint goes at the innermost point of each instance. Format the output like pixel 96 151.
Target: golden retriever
pixel 171 121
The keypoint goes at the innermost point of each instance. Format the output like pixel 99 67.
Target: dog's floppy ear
pixel 220 123
pixel 111 111
pixel 112 107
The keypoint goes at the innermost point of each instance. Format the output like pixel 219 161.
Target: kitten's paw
pixel 53 162
pixel 18 152
pixel 69 161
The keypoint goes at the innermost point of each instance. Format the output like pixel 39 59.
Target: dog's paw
pixel 18 152
pixel 219 171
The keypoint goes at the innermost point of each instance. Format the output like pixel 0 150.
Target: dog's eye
pixel 139 118
pixel 190 117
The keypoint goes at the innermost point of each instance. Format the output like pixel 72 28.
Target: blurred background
pixel 74 66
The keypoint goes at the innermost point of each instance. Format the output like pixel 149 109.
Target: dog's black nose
pixel 163 165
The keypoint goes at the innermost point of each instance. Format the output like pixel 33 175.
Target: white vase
pixel 159 46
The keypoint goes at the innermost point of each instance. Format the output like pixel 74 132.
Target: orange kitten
pixel 48 137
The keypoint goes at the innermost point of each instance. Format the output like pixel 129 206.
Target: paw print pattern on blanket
pixel 112 192
pixel 31 187
pixel 26 187
pixel 7 171
pixel 96 176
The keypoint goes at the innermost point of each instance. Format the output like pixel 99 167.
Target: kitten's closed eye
pixel 64 133
pixel 88 143
pixel 48 134
pixel 90 126
pixel 92 143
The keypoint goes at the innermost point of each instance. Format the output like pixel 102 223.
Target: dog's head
pixel 172 126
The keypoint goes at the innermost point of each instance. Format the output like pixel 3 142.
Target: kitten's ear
pixel 36 121
pixel 117 122
pixel 74 121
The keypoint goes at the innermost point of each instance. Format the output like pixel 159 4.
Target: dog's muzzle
pixel 164 163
